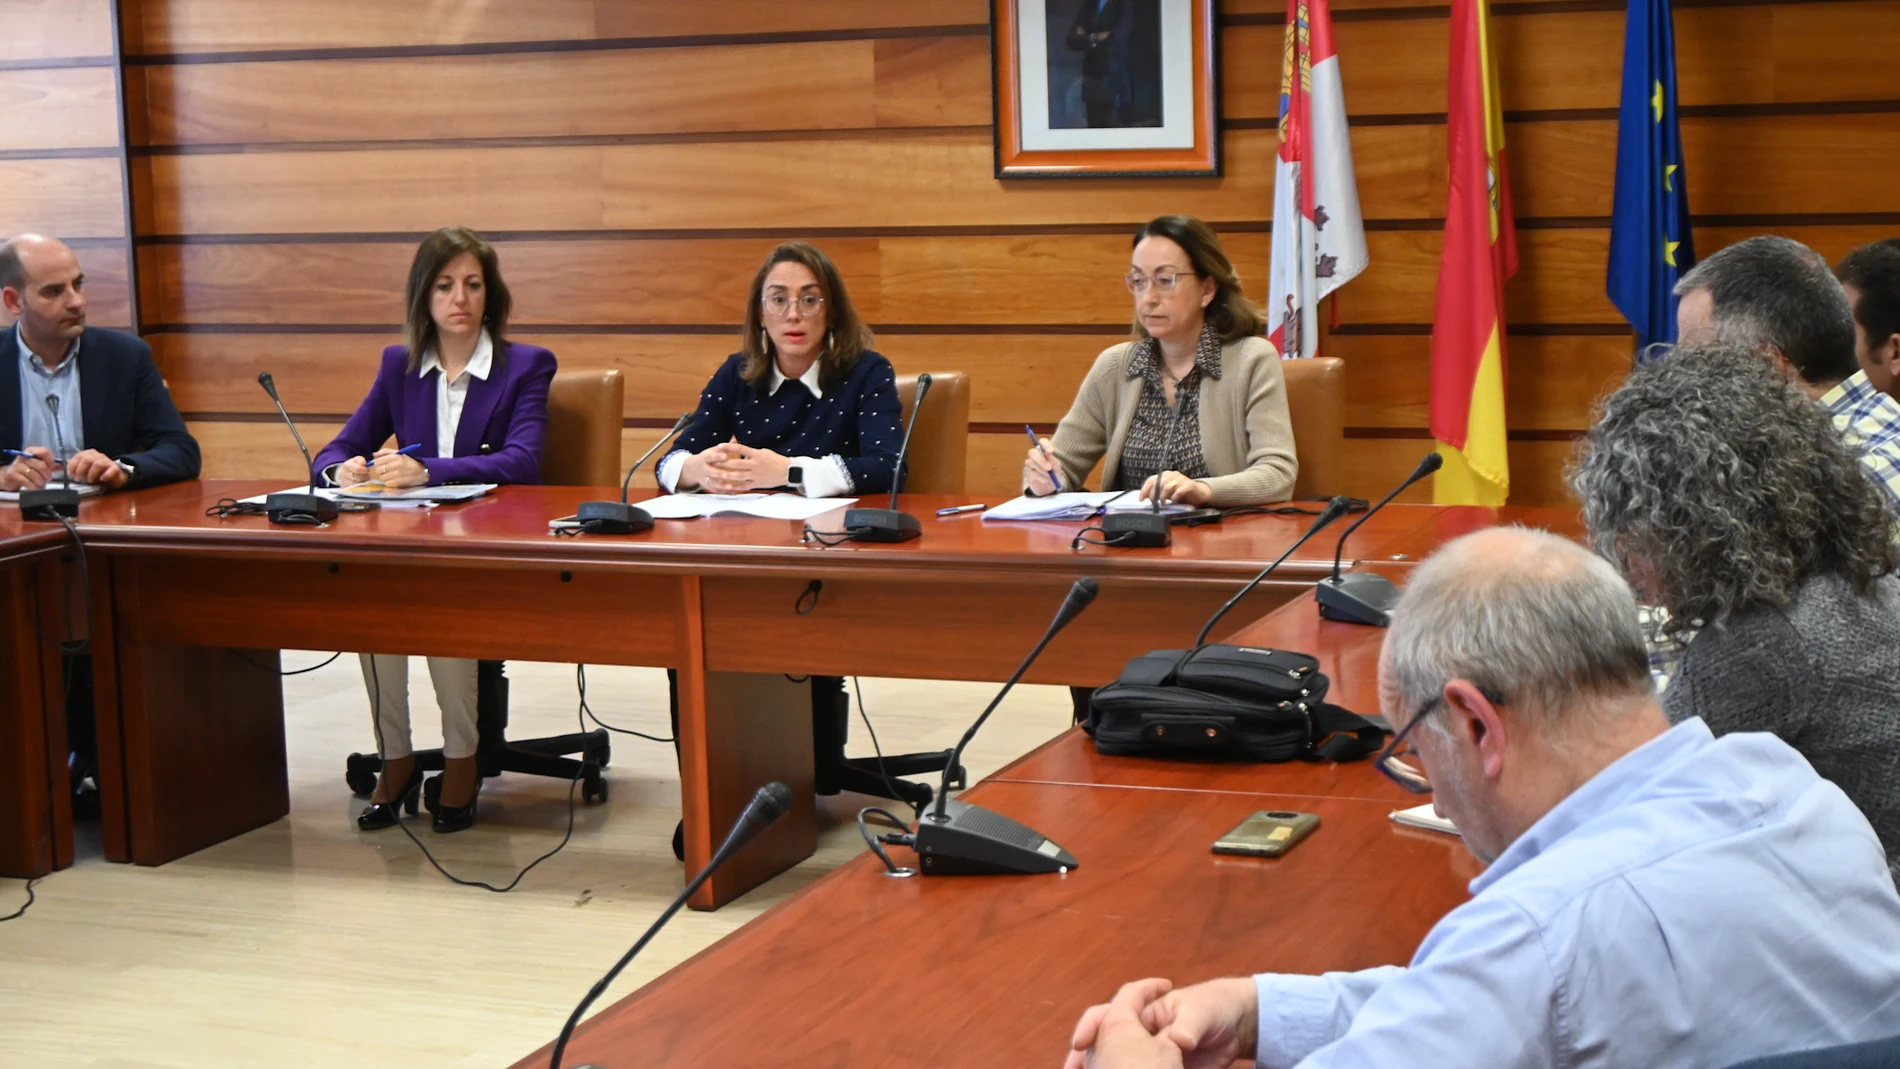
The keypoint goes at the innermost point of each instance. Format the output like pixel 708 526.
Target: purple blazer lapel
pixel 415 416
pixel 483 394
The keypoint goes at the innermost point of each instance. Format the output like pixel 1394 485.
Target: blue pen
pixel 406 450
pixel 1055 476
pixel 17 455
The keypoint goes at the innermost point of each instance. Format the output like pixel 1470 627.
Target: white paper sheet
pixel 763 506
pixel 1075 505
pixel 85 490
pixel 1423 816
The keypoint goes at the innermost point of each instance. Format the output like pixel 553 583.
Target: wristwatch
pixel 131 470
pixel 795 477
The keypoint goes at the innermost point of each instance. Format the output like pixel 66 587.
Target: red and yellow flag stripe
pixel 1480 253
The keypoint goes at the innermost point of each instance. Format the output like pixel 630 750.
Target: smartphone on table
pixel 1268 833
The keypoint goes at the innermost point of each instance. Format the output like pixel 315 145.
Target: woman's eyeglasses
pixel 1162 281
pixel 779 304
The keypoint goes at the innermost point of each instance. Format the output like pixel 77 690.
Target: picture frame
pixel 1105 88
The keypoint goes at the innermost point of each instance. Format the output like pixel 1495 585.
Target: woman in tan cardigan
pixel 1198 343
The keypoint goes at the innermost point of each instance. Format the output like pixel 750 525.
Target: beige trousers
pixel 388 686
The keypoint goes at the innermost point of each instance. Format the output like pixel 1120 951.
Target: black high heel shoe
pixel 452 818
pixel 379 815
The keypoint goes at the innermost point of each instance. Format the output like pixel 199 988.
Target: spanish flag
pixel 1480 253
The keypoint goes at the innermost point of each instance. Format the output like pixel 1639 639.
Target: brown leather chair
pixel 939 459
pixel 584 415
pixel 1316 399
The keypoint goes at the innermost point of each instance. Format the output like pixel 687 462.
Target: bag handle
pixel 1348 736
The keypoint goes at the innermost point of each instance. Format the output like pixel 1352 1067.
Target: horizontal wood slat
pixel 67 198
pixel 108 304
pixel 58 109
pixel 54 29
pixel 1560 169
pixel 1553 381
pixel 190 26
pixel 826 85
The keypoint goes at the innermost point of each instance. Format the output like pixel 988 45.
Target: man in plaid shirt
pixel 1776 295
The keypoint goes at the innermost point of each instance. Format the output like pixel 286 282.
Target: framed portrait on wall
pixel 1105 88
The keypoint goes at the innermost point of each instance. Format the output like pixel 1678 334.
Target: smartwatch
pixel 795 477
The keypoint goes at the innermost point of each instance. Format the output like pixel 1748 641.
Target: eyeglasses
pixel 1163 281
pixel 1397 762
pixel 778 304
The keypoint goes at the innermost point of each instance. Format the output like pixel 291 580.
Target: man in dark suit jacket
pixel 112 419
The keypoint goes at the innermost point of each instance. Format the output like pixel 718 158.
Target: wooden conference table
pixel 982 971
pixel 36 834
pixel 190 702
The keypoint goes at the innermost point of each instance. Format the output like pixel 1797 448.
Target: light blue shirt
pixel 36 383
pixel 1699 902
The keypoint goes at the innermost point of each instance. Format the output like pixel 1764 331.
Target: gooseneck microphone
pixel 1334 509
pixel 53 503
pixel 771 802
pixel 1362 597
pixel 618 517
pixel 1147 529
pixel 957 838
pixel 888 524
pixel 304 509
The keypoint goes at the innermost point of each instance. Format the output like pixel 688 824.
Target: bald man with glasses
pixel 1655 896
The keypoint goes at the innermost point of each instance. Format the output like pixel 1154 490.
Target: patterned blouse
pixel 1148 434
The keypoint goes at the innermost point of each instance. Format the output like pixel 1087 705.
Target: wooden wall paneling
pixel 913 180
pixel 811 86
pixel 58 109
pixel 1553 382
pixel 258 450
pixel 54 29
pixel 108 299
pixel 246 25
pixel 66 198
pixel 933 81
pixel 1736 165
pixel 1568 59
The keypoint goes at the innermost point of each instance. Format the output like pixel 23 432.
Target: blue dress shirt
pixel 1699 902
pixel 36 385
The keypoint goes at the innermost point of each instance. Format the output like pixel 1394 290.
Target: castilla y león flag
pixel 1319 240
pixel 1480 253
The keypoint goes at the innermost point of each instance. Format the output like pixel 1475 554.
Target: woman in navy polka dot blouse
pixel 806 404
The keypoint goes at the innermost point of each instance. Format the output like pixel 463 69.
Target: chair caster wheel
pixel 359 776
pixel 601 754
pixel 593 785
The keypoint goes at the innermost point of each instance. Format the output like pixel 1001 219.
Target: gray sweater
pixel 1824 676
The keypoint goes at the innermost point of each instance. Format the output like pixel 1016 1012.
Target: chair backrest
pixel 939 459
pixel 1316 399
pixel 584 416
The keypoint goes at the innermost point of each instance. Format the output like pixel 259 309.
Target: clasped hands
pixel 1149 1023
pixel 87 466
pixel 394 470
pixel 731 468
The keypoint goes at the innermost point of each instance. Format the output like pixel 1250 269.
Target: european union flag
pixel 1650 246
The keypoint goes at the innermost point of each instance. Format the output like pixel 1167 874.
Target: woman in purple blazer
pixel 464 406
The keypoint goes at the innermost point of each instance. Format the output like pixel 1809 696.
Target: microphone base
pixel 973 841
pixel 1357 598
pixel 300 509
pixel 1143 530
pixel 881 525
pixel 613 517
pixel 49 504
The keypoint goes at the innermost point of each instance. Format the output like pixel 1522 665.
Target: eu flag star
pixel 1669 176
pixel 1669 252
pixel 1655 102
